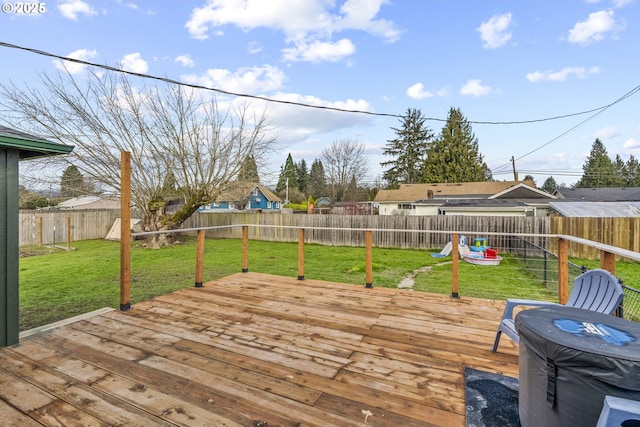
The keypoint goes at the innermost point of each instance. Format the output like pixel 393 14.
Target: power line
pixel 597 112
pixel 302 104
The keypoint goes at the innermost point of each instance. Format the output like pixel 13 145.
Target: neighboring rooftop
pixel 415 192
pixel 596 209
pixel 602 194
pixel 89 202
pixel 240 189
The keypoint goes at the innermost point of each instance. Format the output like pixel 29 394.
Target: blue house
pixel 244 196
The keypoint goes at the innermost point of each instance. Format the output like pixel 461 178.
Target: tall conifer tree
pixel 454 155
pixel 598 170
pixel 407 150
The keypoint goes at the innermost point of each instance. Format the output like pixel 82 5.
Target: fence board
pixel 95 224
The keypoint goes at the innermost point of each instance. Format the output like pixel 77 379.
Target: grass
pixel 58 284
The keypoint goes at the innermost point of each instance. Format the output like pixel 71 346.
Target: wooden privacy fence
pixel 388 231
pixel 52 227
pixel 619 232
pixel 333 229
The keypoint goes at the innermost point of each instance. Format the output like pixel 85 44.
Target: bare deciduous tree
pixel 345 164
pixel 169 131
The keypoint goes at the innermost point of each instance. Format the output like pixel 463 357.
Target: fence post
pixel 245 249
pixel 563 270
pixel 125 230
pixel 40 231
pixel 301 254
pixel 369 259
pixel 608 261
pixel 454 266
pixel 199 258
pixel 68 233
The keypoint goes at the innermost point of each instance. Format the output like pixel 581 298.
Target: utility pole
pixel 515 174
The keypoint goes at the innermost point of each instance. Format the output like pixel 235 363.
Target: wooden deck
pixel 257 350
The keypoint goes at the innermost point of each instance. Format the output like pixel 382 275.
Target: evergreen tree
pixel 621 169
pixel 599 170
pixel 288 177
pixel 550 185
pixel 408 150
pixel 633 172
pixel 454 155
pixel 249 170
pixel 317 185
pixel 169 186
pixel 303 176
pixel 71 183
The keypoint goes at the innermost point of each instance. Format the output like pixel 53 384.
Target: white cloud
pixel 254 47
pixel 133 62
pixel 616 3
pixel 607 132
pixel 621 3
pixel 72 8
pixel 475 88
pixel 185 61
pixel 308 25
pixel 74 67
pixel 495 32
pixel 250 80
pixel 417 92
pixel 318 51
pixel 562 75
pixel 594 29
pixel 297 124
pixel 631 145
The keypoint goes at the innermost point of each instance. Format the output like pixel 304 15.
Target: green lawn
pixel 62 284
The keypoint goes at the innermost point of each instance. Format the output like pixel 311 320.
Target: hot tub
pixel 570 359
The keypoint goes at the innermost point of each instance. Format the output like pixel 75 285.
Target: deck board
pixel 253 349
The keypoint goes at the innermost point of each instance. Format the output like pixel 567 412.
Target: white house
pixel 501 198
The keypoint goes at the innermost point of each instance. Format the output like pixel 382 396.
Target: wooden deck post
pixel 608 261
pixel 563 270
pixel 68 233
pixel 369 259
pixel 199 258
pixel 301 254
pixel 245 249
pixel 125 230
pixel 454 266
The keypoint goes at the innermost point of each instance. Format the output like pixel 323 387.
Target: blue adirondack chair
pixel 596 290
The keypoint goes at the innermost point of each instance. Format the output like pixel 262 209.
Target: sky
pixel 539 80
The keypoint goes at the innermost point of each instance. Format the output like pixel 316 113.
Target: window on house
pixel 406 206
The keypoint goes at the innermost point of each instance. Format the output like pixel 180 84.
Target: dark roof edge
pixel 30 145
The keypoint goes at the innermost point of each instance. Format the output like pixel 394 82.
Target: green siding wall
pixel 9 302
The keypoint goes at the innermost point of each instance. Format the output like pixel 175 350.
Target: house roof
pixel 522 191
pixel 30 146
pixel 603 194
pixel 476 190
pixel 596 209
pixel 89 202
pixel 240 189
